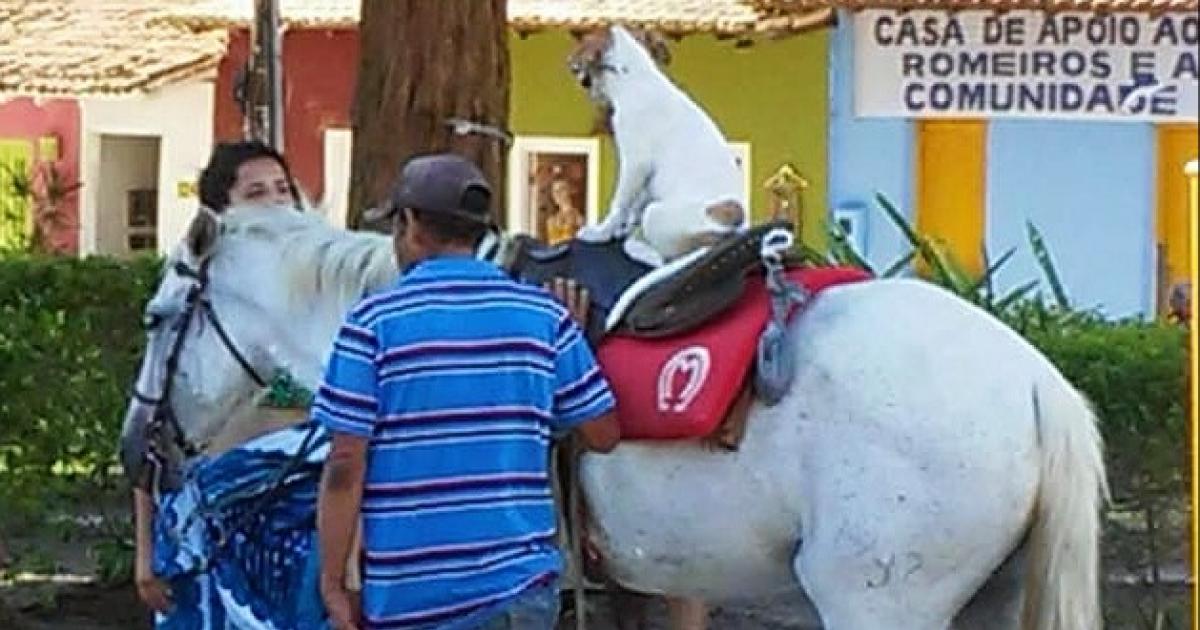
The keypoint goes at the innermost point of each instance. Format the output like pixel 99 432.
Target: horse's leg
pixel 997 605
pixel 687 613
pixel 842 588
pixel 891 546
pixel 628 608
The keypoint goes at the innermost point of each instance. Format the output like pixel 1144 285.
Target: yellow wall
pixel 1177 145
pixel 16 156
pixel 773 95
pixel 951 173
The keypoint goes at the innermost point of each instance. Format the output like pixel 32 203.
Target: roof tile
pixel 97 47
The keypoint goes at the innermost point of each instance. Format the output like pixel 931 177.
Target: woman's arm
pixel 152 590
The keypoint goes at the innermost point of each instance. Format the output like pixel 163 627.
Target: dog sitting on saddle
pixel 677 179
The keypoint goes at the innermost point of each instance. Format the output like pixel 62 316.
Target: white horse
pixel 929 468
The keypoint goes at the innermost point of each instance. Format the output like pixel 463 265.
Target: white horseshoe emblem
pixel 694 362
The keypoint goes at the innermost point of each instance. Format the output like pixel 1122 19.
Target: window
pixel 141 220
pixel 554 186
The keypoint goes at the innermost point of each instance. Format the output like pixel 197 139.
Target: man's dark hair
pixel 449 229
pixel 219 176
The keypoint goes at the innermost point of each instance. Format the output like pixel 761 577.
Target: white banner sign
pixel 971 64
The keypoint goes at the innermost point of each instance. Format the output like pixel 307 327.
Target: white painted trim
pixel 89 172
pixel 338 148
pixel 518 174
pixel 856 216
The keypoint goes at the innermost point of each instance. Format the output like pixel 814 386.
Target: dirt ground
pixel 52 585
pixel 92 607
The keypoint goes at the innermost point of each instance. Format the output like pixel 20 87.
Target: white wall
pixel 182 116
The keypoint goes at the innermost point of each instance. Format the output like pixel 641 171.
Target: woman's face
pixel 560 193
pixel 261 181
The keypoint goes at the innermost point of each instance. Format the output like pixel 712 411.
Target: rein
pixel 164 416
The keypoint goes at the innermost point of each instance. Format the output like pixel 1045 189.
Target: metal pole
pixel 268 72
pixel 275 74
pixel 575 501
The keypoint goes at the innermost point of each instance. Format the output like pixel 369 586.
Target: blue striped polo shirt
pixel 459 377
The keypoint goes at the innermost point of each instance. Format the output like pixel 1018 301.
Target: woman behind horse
pixel 246 172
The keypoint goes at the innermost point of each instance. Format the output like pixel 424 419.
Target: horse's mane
pixel 316 258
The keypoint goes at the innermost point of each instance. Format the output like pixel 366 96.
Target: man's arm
pixel 347 404
pixel 602 434
pixel 338 504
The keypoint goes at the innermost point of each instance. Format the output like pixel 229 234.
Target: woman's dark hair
pixel 219 176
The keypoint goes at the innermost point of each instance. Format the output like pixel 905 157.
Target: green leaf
pixel 843 251
pixel 1042 254
pixel 900 265
pixel 1014 295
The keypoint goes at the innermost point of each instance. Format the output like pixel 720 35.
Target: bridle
pixel 164 421
pixel 197 303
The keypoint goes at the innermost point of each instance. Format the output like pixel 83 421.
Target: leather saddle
pixel 694 295
pixel 603 268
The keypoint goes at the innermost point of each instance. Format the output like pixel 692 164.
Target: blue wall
pixel 1089 188
pixel 866 156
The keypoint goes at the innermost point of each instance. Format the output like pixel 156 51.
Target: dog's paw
pixel 602 233
pixel 643 253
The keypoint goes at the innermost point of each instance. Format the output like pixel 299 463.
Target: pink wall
pixel 27 119
pixel 317 88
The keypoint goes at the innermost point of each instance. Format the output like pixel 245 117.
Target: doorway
pixel 127 195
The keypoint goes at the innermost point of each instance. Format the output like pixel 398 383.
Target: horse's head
pixel 604 56
pixel 217 328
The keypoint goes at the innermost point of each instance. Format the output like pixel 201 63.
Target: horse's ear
pixel 655 44
pixel 202 233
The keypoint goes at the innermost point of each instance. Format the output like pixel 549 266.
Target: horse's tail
pixel 1063 575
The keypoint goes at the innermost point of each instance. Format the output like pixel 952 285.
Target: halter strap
pixel 195 301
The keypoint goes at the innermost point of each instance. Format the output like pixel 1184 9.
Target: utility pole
pixel 266 76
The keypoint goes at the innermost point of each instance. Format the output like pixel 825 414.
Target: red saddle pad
pixel 681 387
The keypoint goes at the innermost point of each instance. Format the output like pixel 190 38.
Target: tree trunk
pixel 422 62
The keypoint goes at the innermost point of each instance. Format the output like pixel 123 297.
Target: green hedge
pixel 1135 374
pixel 70 339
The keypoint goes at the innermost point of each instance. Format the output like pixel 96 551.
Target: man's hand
pixel 337 602
pixel 573 296
pixel 153 592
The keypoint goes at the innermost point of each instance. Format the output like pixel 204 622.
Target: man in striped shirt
pixel 442 395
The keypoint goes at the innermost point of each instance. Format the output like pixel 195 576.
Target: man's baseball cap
pixel 441 182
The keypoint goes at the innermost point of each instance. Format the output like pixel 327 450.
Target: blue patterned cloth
pixel 238 542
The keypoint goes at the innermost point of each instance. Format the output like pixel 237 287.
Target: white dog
pixel 678 179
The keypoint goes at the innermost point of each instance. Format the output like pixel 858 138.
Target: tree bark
pixel 422 62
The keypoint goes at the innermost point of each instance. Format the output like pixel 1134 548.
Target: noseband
pixel 197 302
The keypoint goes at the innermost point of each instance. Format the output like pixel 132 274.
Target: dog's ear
pixel 590 49
pixel 655 44
pixel 602 120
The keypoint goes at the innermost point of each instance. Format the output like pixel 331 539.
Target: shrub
pixel 70 340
